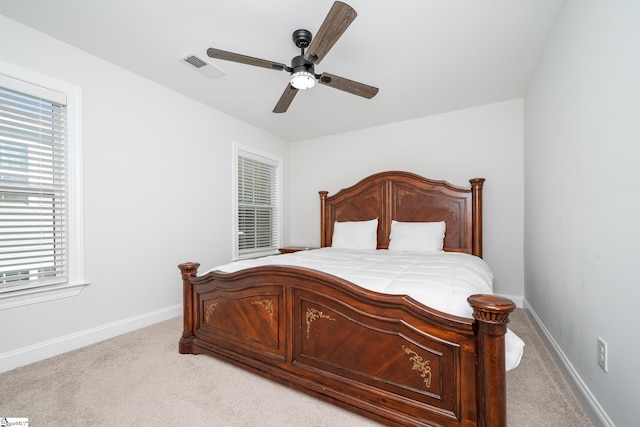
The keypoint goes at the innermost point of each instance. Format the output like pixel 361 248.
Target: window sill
pixel 251 255
pixel 37 295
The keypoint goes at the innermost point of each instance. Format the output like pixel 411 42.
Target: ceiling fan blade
pixel 243 59
pixel 335 24
pixel 286 99
pixel 347 85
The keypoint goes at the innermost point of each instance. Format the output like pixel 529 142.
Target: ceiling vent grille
pixel 195 61
pixel 203 67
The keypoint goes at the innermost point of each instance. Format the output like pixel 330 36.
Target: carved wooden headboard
pixel 405 196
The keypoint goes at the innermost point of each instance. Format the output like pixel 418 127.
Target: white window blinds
pixel 33 190
pixel 258 204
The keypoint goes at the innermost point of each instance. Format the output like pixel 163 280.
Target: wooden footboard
pixel 384 356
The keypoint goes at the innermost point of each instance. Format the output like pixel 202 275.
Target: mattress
pixel 442 280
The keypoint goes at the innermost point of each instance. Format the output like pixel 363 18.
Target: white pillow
pixel 417 236
pixel 355 234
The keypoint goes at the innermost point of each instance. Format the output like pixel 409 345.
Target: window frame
pixel 75 212
pixel 238 149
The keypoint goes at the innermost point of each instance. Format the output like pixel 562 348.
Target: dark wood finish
pixel 286 99
pixel 292 249
pixel 404 196
pixel 340 16
pixel 244 59
pixel 492 314
pixel 387 357
pixel 353 87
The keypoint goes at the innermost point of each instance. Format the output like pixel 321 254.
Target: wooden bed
pixel 386 357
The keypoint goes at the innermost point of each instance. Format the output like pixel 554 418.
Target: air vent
pixel 195 61
pixel 202 66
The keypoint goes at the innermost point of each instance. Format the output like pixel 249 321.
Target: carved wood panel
pixel 410 204
pixel 403 196
pixel 382 353
pixel 243 317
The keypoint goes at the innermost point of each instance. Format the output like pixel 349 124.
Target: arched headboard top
pixel 408 197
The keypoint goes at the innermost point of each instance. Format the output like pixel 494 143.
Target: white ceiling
pixel 426 56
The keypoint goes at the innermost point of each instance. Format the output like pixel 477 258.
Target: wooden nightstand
pixel 292 249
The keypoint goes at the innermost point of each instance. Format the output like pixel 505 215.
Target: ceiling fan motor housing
pixel 300 64
pixel 302 73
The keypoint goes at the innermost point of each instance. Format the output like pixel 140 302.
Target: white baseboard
pixel 43 350
pixel 517 299
pixel 579 384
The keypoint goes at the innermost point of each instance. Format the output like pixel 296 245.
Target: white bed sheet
pixel 442 280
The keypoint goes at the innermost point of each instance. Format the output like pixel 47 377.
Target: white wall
pixel 582 210
pixel 485 142
pixel 157 183
pixel 157 186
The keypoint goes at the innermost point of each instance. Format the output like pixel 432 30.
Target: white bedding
pixel 442 280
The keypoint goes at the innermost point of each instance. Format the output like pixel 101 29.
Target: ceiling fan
pixel 302 70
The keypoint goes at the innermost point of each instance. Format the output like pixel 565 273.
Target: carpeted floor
pixel 537 393
pixel 140 379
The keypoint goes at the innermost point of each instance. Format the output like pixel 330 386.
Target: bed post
pixel 323 222
pixel 187 270
pixel 476 212
pixel 491 313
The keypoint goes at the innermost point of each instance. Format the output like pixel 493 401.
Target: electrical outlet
pixel 602 354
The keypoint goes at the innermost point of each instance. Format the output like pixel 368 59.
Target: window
pixel 257 203
pixel 40 188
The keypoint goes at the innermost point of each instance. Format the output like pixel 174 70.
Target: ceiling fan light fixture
pixel 303 80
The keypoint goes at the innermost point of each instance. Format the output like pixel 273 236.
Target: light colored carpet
pixel 140 379
pixel 537 392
